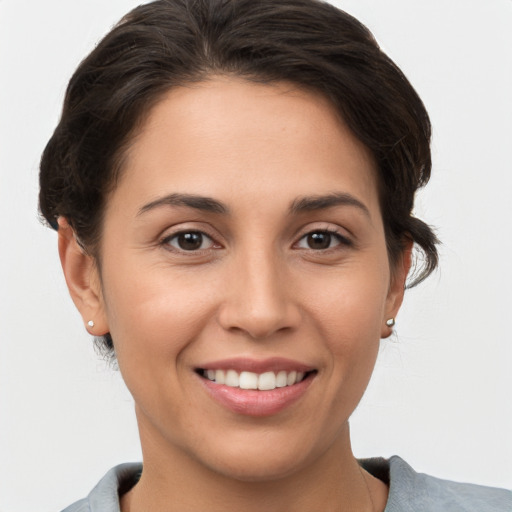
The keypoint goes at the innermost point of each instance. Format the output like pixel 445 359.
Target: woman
pixel 232 184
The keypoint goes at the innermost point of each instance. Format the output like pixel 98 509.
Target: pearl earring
pixel 390 322
pixel 90 323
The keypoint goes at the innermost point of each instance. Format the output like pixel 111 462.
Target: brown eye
pixel 190 241
pixel 322 240
pixel 319 240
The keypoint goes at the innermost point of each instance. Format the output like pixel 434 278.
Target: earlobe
pixel 82 279
pixel 396 289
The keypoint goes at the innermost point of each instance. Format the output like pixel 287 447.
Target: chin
pixel 258 461
pixel 265 468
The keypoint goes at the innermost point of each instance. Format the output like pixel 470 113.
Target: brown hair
pixel 168 43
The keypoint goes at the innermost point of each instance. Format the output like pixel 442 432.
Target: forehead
pixel 229 135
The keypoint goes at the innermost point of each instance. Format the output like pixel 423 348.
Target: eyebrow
pixel 205 204
pixel 323 202
pixel 299 205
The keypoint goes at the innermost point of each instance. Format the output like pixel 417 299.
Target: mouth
pixel 256 388
pixel 266 381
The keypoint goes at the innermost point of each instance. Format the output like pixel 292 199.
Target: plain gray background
pixel 440 395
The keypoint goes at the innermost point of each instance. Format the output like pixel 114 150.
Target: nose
pixel 259 299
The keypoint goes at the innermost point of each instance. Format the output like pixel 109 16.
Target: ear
pixel 397 287
pixel 83 280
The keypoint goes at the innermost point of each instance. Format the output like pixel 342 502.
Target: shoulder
pixel 409 490
pixel 79 506
pixel 105 496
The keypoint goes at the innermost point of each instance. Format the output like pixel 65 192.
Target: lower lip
pixel 256 403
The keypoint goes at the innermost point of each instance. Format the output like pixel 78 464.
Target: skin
pixel 255 289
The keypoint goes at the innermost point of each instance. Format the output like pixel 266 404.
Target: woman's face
pixel 245 244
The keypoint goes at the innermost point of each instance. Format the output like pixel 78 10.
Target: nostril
pixel 257 323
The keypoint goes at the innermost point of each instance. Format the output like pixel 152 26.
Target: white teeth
pixel 281 379
pixel 232 379
pixel 267 381
pixel 291 379
pixel 249 380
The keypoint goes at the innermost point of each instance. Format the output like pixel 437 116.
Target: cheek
pixel 348 315
pixel 153 319
pixel 350 306
pixel 154 313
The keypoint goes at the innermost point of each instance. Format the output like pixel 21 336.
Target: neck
pixel 173 481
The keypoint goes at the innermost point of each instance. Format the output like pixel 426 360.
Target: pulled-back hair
pixel 170 43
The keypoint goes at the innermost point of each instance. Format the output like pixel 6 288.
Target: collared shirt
pixel 408 490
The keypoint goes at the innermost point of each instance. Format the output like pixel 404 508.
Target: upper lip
pixel 242 364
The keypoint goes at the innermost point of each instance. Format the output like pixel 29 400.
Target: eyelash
pixel 166 241
pixel 342 239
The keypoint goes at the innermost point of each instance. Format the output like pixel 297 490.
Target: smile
pixel 266 381
pixel 256 388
